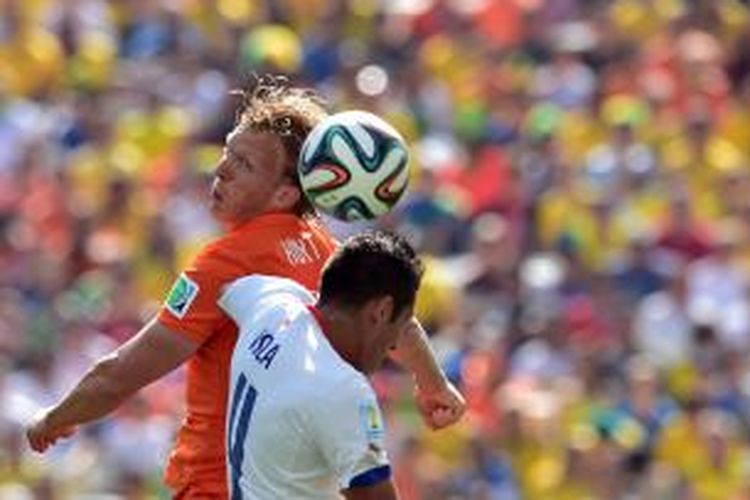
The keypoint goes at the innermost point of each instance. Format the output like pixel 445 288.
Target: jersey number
pixel 243 401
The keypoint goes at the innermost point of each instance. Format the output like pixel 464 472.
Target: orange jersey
pixel 273 244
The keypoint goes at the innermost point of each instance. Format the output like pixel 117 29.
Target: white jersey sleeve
pixel 350 431
pixel 240 297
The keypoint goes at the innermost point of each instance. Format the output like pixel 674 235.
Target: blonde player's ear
pixel 286 197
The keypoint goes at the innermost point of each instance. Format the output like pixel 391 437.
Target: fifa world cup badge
pixel 182 295
pixel 371 420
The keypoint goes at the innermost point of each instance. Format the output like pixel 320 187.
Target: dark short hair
pixel 371 265
pixel 271 104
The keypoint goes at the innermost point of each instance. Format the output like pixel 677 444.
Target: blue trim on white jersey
pixel 370 477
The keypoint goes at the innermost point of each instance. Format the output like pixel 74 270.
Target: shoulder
pixel 252 286
pixel 255 236
pixel 240 251
pixel 218 257
pixel 240 296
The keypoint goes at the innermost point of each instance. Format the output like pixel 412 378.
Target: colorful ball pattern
pixel 354 166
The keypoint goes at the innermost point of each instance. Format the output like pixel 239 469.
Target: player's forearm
pixel 414 353
pixel 97 394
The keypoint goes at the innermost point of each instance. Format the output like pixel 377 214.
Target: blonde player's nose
pixel 223 168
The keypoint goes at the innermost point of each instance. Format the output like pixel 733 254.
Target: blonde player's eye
pixel 239 160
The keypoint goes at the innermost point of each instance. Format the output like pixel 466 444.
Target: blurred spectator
pixel 682 233
pixel 651 410
pixel 637 276
pixel 717 289
pixel 662 328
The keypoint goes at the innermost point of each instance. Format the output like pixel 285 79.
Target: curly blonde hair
pixel 270 104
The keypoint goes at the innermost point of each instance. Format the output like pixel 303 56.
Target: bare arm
pixel 438 400
pixel 383 490
pixel 414 353
pixel 150 354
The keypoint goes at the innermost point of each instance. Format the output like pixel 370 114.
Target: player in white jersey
pixel 303 420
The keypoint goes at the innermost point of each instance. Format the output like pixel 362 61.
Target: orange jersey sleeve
pixel 190 307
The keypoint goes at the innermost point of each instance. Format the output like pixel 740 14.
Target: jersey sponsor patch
pixel 371 420
pixel 183 292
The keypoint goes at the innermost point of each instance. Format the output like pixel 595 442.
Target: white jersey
pixel 301 421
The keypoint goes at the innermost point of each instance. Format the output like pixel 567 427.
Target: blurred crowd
pixel 581 192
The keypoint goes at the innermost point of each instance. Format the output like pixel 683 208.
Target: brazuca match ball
pixel 354 166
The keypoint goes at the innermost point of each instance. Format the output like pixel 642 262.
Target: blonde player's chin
pixel 217 210
pixel 221 216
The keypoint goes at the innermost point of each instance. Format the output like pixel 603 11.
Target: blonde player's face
pixel 248 176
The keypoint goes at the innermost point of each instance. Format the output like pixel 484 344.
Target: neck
pixel 341 331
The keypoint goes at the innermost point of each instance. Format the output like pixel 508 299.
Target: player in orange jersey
pixel 271 229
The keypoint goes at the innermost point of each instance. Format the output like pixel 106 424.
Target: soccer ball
pixel 353 166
